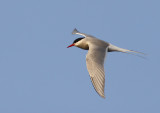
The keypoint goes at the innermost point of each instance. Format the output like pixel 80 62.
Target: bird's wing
pixel 75 31
pixel 95 65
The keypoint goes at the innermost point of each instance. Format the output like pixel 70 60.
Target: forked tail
pixel 118 49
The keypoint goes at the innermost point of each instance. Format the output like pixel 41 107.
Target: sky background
pixel 38 74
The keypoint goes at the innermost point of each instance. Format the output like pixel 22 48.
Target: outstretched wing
pixel 95 65
pixel 75 31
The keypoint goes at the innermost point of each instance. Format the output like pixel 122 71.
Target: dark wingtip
pixel 75 31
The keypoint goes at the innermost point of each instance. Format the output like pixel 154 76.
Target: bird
pixel 97 51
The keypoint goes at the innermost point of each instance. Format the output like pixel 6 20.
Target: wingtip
pixel 103 96
pixel 75 31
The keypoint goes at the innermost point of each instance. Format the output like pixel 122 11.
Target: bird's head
pixel 79 42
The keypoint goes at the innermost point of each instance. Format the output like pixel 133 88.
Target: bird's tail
pixel 118 49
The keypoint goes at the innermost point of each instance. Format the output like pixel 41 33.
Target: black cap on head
pixel 78 39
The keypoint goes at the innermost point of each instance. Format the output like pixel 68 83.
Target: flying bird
pixel 97 50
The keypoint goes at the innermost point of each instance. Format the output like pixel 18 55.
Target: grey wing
pixel 95 65
pixel 75 31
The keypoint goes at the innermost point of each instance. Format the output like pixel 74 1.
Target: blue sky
pixel 38 74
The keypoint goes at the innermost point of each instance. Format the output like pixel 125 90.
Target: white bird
pixel 95 57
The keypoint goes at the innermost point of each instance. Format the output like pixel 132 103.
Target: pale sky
pixel 38 74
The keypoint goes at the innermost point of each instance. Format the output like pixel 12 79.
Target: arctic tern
pixel 97 50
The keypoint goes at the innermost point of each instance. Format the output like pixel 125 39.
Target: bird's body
pixel 95 57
